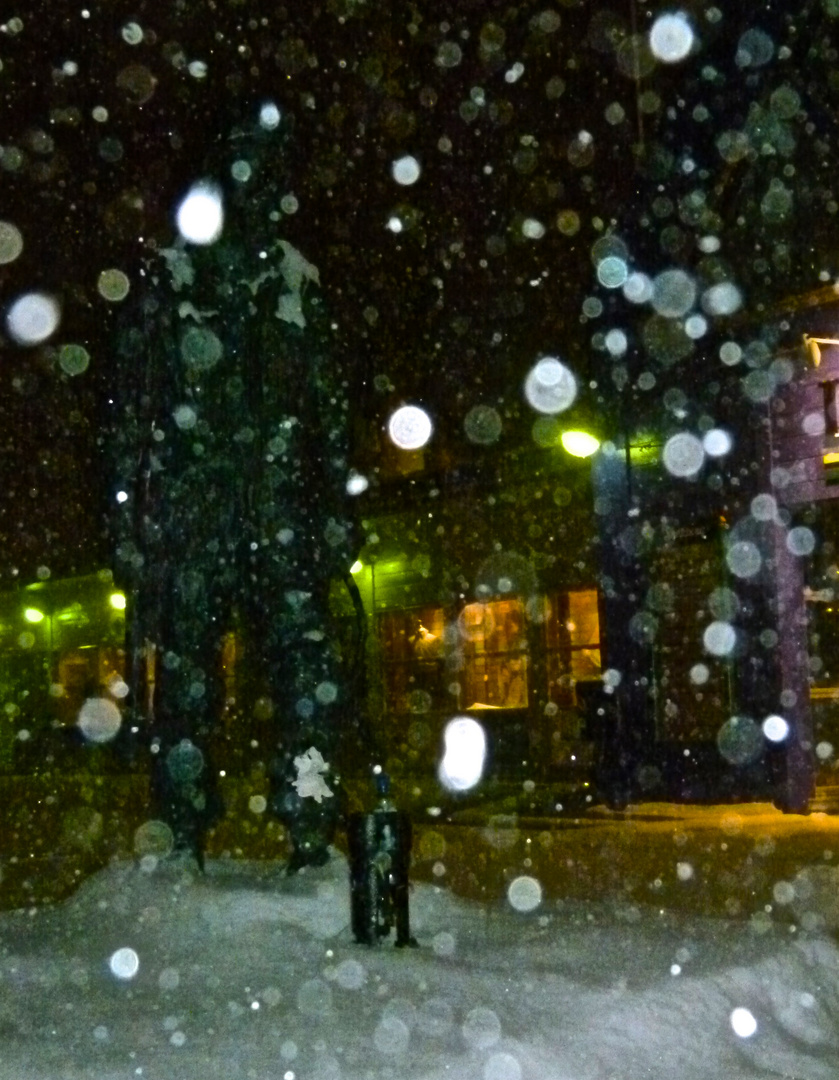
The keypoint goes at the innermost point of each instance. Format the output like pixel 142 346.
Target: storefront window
pixel 572 633
pixel 483 656
pixel 486 656
pixel 412 658
pixel 495 655
pixel 95 671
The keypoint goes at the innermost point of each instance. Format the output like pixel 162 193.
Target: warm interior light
pixel 32 615
pixel 117 601
pixel 579 443
pixel 357 567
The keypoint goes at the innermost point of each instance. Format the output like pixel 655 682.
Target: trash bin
pixel 380 854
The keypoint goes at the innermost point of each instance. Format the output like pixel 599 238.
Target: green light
pixel 33 615
pixel 579 443
pixel 117 601
pixel 357 567
pixel 73 614
pixel 644 453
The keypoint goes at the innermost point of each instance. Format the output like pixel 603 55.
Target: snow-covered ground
pixel 245 973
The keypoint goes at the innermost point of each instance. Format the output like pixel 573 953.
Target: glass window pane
pixel 412 652
pixel 496 683
pixel 495 672
pixel 583 618
pixel 585 664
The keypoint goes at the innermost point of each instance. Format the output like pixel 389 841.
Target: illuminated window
pixel 486 655
pixel 494 647
pixel 85 672
pixel 412 654
pixel 572 633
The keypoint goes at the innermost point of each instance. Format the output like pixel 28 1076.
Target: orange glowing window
pixel 494 647
pixel 411 645
pixel 572 637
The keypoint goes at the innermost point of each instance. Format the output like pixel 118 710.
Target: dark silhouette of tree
pixel 228 443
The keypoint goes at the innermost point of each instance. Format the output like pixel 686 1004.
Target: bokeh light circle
pixel 99 720
pixel 740 740
pixel 113 285
pixel 200 216
pixel 124 963
pixel 671 37
pixel 775 728
pixel 11 242
pixel 32 318
pixel 406 170
pixel 683 455
pixel 524 893
pixel 464 754
pixel 743 1023
pixel 410 427
pixel 550 386
pixel 719 638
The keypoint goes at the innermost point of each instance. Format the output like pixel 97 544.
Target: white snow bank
pixel 248 974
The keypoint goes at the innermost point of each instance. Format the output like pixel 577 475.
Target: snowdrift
pixel 245 973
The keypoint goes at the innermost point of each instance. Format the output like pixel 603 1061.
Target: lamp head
pixel 811 344
pixel 813 350
pixel 579 443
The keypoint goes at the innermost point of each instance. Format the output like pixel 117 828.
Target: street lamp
pixel 811 344
pixel 579 443
pixel 34 616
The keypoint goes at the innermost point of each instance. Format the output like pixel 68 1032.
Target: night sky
pixel 516 114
